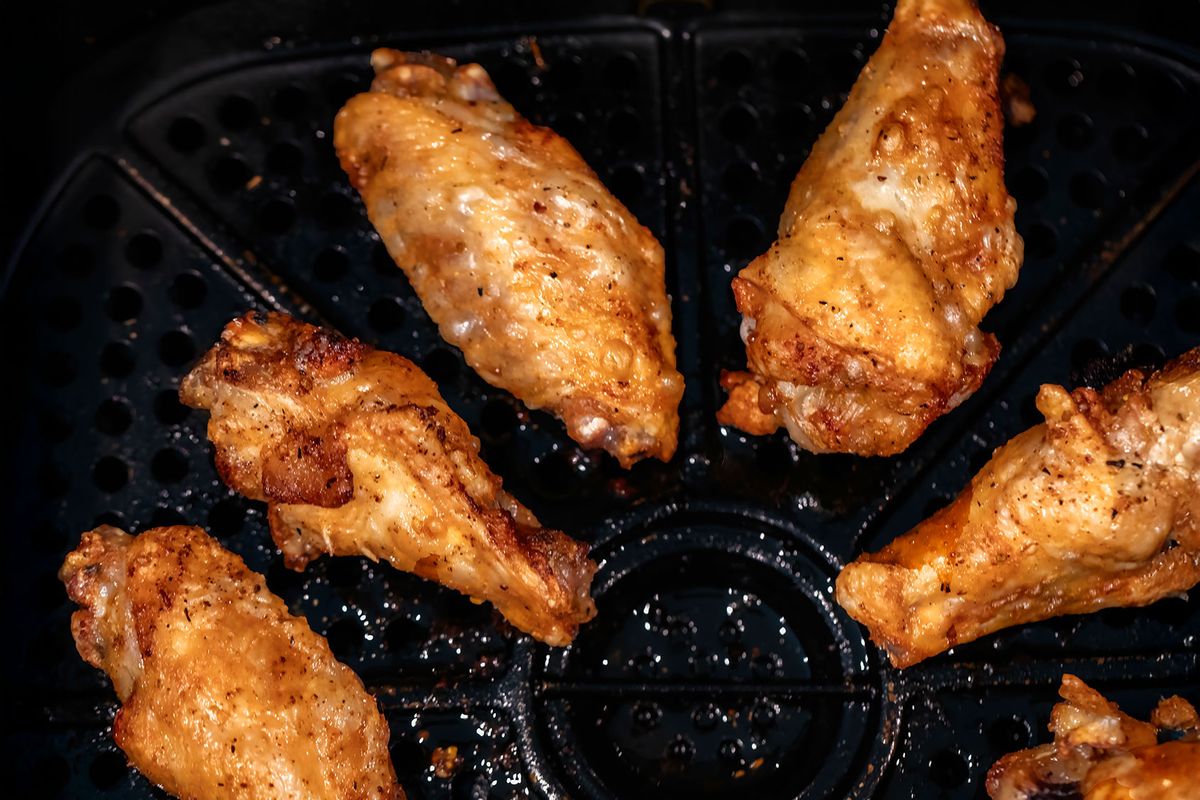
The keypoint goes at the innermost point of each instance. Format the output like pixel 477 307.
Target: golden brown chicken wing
pixel 1100 753
pixel 1097 507
pixel 861 321
pixel 224 694
pixel 548 285
pixel 357 454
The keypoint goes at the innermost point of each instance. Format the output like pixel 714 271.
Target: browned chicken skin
pixel 861 321
pixel 1097 507
pixel 1103 754
pixel 357 454
pixel 224 694
pixel 548 285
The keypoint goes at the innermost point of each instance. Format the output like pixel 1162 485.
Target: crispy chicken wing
pixel 548 285
pixel 1100 753
pixel 224 694
pixel 861 320
pixel 1099 506
pixel 357 453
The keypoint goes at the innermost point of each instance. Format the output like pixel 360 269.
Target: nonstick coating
pixel 719 664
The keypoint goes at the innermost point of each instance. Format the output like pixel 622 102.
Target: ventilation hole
pixel 794 122
pixel 404 635
pixel 386 315
pixel 681 750
pixel 1183 263
pixel 144 250
pixel 226 517
pixel 344 573
pixel 285 158
pixel 336 210
pixel 647 715
pixel 1167 93
pixel 117 359
pixel 409 758
pixel 766 665
pixel 730 751
pixel 764 714
pixel 1064 75
pixel 168 409
pixel 1137 304
pixel 63 313
pixel 790 67
pixel 441 365
pixel 1085 352
pixel 1131 143
pixel 1119 80
pixel 1029 185
pixel 345 639
pixel 108 769
pixel 50 776
pixel 176 348
pixel 276 215
pixel 627 183
pixel 110 474
pixel 54 425
pixel 498 420
pixel 554 476
pixel 1008 734
pixel 1041 241
pixel 383 262
pixel 738 122
pixel 773 455
pixel 58 368
pixel 739 179
pixel 621 71
pixel 344 86
pixel 743 237
pixel 1087 190
pixel 705 717
pixel 185 135
pixel 169 465
pixel 290 101
pixel 935 504
pixel 947 768
pixel 571 125
pixel 1146 356
pixel 1075 131
pixel 236 112
pixel 331 264
pixel 188 290
pixel 123 303
pixel 114 416
pixel 282 581
pixel 52 480
pixel 76 260
pixel 736 68
pixel 229 174
pixel 1187 314
pixel 565 72
pixel 624 126
pixel 101 212
pixel 166 517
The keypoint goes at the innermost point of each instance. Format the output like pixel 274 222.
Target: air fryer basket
pixel 719 663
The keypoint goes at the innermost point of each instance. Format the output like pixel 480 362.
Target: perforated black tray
pixel 719 664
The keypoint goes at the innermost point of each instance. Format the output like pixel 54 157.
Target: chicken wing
pixel 223 692
pixel 1097 507
pixel 357 454
pixel 548 285
pixel 861 320
pixel 1100 753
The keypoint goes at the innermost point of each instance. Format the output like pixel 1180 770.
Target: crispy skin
pixel 357 454
pixel 1100 753
pixel 861 321
pixel 223 692
pixel 548 285
pixel 1097 507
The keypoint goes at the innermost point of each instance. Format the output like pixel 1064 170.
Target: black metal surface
pixel 718 663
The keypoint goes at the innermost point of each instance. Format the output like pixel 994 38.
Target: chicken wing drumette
pixel 1100 753
pixel 548 285
pixel 357 454
pixel 861 320
pixel 1097 507
pixel 223 692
